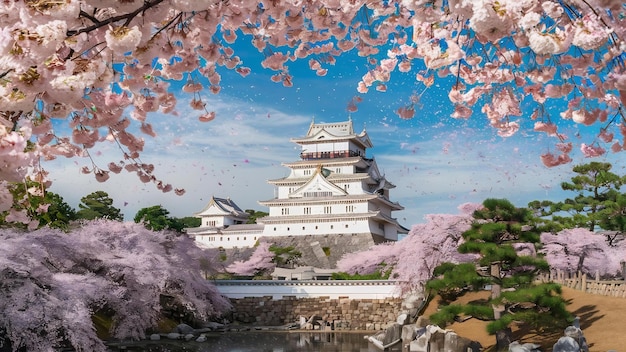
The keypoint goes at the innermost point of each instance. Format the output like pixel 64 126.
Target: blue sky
pixel 436 162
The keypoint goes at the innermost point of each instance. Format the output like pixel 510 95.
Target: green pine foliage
pixel 597 200
pixel 511 277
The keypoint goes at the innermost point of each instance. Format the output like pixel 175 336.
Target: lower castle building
pixel 333 189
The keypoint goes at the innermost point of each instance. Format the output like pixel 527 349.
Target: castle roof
pixel 221 206
pixel 335 131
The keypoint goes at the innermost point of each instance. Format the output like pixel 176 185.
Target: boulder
pixel 515 346
pixel 183 329
pixel 201 338
pixel 566 344
pixel 155 337
pixel 174 336
pixel 402 319
pixel 189 337
pixel 434 338
pixel 437 338
pixel 393 334
pixel 409 332
pixel 213 325
pixel 422 322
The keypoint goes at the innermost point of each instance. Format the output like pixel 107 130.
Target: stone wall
pixel 323 251
pixel 342 313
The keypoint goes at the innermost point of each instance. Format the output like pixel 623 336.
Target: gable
pixel 318 186
pixel 221 207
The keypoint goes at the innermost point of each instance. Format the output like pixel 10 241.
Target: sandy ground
pixel 602 320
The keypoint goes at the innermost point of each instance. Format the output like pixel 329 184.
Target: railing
pixel 328 155
pixel 354 289
pixel 580 281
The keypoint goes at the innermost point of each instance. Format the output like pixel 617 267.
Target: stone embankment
pixel 338 314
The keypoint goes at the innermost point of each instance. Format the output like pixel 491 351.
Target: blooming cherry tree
pixel 51 283
pixel 578 249
pixel 106 66
pixel 261 261
pixel 413 259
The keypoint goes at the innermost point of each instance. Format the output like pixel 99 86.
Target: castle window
pixel 274 229
pixel 284 211
pixel 331 227
pixel 349 208
pixel 346 225
pixel 307 172
pixel 302 227
pixel 307 210
pixel 318 194
pixel 327 210
pixel 211 223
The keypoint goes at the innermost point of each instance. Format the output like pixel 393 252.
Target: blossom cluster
pixel 105 66
pixel 52 283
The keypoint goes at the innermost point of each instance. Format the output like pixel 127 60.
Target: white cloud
pixel 435 168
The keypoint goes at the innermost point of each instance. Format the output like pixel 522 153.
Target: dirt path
pixel 602 320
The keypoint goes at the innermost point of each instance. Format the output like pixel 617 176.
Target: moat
pixel 263 341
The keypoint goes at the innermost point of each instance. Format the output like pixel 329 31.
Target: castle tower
pixel 333 189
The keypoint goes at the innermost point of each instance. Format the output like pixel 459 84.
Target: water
pixel 262 341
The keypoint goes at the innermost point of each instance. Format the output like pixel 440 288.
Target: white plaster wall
pixel 227 241
pixel 361 289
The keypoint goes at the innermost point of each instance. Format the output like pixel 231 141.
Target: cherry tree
pixel 105 66
pixel 260 262
pixel 412 260
pixel 578 249
pixel 52 283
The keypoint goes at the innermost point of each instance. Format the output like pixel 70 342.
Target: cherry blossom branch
pixel 127 16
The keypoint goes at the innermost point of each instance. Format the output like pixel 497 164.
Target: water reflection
pixel 263 341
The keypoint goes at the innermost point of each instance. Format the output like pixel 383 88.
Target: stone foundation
pixel 339 314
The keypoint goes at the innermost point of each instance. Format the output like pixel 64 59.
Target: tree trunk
pixel 503 339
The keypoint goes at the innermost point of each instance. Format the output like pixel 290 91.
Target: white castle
pixel 334 189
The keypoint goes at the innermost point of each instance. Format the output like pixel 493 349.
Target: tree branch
pixel 127 16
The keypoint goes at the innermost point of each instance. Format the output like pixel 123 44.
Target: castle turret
pixel 333 189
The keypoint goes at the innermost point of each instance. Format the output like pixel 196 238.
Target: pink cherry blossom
pixel 208 117
pixel 591 151
pixel 97 66
pixel 548 128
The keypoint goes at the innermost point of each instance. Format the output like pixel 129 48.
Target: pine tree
pixel 499 235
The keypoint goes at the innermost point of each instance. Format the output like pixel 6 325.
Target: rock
pixel 566 344
pixel 515 346
pixel 414 300
pixel 189 337
pixel 433 338
pixel 392 334
pixel 422 322
pixel 420 344
pixel 437 338
pixel 201 338
pixel 183 329
pixel 155 337
pixel 213 325
pixel 409 332
pixel 402 319
pixel 173 336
